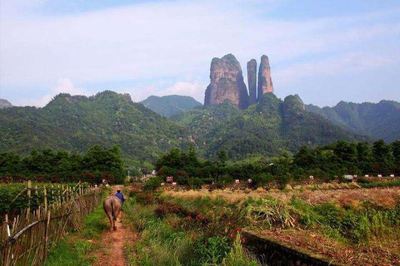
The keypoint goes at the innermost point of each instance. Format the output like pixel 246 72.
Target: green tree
pixel 383 158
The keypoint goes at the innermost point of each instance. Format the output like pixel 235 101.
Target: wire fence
pixel 26 238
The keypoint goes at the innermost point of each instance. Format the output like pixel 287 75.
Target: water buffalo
pixel 112 207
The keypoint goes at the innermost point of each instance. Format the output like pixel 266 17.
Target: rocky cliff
pixel 252 80
pixel 264 77
pixel 226 83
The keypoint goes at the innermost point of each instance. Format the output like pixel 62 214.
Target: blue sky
pixel 324 50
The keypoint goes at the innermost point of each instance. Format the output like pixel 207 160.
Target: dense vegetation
pixel 171 235
pixel 380 120
pixel 59 166
pixel 325 162
pixel 268 128
pixel 75 123
pixel 362 232
pixel 170 105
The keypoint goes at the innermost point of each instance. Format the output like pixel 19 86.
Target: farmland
pixel 342 225
pixel 336 222
pixel 302 208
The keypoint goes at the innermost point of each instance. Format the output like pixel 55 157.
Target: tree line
pixel 48 165
pixel 325 162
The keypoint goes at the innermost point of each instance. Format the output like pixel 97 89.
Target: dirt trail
pixel 111 252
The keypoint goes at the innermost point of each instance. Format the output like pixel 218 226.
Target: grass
pixel 238 256
pixel 76 247
pixel 167 240
pixel 371 184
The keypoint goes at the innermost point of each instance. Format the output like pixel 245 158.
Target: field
pixel 338 223
pixel 343 224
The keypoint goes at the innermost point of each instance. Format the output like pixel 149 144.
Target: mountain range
pixel 269 127
pixel 377 120
pixel 76 122
pixel 240 121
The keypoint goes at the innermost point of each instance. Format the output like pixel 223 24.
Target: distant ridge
pixel 170 105
pixel 377 120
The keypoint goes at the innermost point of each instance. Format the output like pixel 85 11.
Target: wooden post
pixel 37 196
pixel 59 193
pixel 46 236
pixel 6 249
pixel 29 199
pixel 45 199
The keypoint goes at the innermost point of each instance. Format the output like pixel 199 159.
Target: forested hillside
pixel 378 120
pixel 76 123
pixel 267 128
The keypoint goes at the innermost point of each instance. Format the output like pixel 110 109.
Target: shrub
pixel 238 257
pixel 270 212
pixel 153 183
pixel 262 179
pixel 195 182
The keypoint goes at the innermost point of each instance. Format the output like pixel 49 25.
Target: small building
pixel 348 177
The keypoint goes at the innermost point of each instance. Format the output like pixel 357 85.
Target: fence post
pixel 29 199
pixel 45 199
pixel 37 196
pixel 46 236
pixel 5 251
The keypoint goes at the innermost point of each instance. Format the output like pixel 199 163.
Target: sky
pixel 323 50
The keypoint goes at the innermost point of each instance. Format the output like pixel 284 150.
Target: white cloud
pixel 195 90
pixel 64 85
pixel 176 41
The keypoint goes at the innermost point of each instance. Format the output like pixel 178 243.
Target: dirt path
pixel 111 252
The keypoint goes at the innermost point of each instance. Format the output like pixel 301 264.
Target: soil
pixel 112 243
pixel 381 254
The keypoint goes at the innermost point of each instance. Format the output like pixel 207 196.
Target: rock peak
pixel 226 83
pixel 252 80
pixel 264 77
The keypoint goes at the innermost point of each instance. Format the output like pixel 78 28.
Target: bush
pixel 153 183
pixel 195 182
pixel 262 179
pixel 270 213
pixel 238 257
